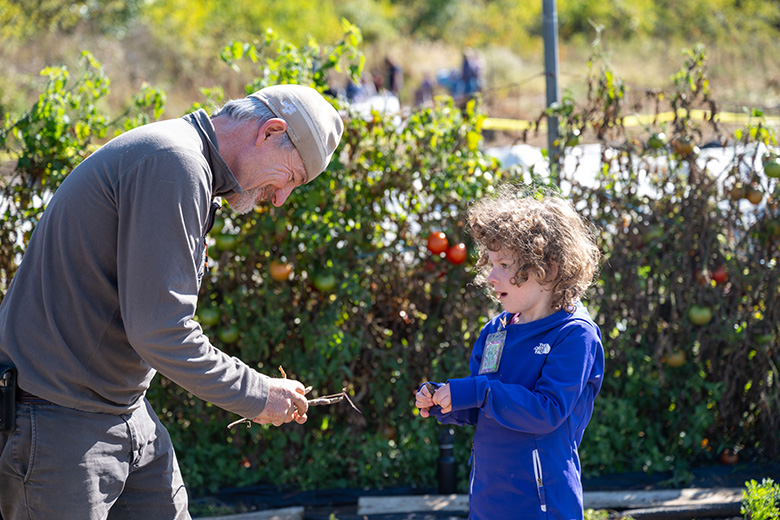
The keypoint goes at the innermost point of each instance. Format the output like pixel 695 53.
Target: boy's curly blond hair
pixel 546 237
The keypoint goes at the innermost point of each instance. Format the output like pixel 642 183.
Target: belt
pixel 25 397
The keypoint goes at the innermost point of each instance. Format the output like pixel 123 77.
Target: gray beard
pixel 246 201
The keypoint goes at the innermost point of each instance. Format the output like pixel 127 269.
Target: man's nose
pixel 281 195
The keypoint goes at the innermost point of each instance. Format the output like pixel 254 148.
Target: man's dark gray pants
pixel 66 463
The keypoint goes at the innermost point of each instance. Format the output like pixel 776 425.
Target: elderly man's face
pixel 268 172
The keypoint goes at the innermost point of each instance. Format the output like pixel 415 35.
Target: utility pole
pixel 550 29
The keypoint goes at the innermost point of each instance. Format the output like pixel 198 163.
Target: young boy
pixel 536 368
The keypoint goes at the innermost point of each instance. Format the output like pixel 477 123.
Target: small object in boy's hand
pixel 431 388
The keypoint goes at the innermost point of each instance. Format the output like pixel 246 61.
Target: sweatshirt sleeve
pixel 460 418
pixel 566 373
pixel 463 415
pixel 162 205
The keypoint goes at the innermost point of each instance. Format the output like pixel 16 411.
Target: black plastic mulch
pixel 320 504
pixel 733 476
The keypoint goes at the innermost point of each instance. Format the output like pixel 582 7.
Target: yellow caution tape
pixel 519 125
pixel 511 125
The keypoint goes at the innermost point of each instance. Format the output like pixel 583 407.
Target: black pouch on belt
pixel 7 398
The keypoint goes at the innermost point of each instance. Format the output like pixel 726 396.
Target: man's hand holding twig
pixel 286 403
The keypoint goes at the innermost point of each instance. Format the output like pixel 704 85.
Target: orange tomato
pixel 279 271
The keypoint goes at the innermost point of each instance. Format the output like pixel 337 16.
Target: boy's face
pixel 530 299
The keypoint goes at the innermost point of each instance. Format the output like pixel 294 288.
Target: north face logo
pixel 288 108
pixel 542 348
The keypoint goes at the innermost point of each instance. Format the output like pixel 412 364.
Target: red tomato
pixel 728 457
pixel 437 242
pixel 457 253
pixel 720 275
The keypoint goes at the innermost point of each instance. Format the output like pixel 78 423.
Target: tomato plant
pixel 368 305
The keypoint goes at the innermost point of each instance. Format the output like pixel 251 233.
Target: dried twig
pixel 243 419
pixel 334 398
pixel 318 401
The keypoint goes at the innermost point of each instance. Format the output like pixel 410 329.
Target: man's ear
pixel 271 128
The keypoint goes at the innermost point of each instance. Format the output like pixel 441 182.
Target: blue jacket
pixel 530 416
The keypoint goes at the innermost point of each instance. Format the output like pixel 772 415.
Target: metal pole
pixel 550 29
pixel 447 471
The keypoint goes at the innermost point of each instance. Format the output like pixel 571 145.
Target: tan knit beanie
pixel 313 124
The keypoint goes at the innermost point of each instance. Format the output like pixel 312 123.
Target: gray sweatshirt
pixel 106 293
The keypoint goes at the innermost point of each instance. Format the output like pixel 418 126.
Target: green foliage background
pixel 458 22
pixel 174 44
pixel 398 316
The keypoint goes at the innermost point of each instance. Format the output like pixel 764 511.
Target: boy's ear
pixel 552 273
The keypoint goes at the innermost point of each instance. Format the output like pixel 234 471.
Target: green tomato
pixel 656 141
pixel 229 334
pixel 208 316
pixel 772 167
pixel 676 359
pixel 700 314
pixel 325 282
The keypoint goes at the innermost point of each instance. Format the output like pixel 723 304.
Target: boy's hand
pixel 443 398
pixel 424 399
